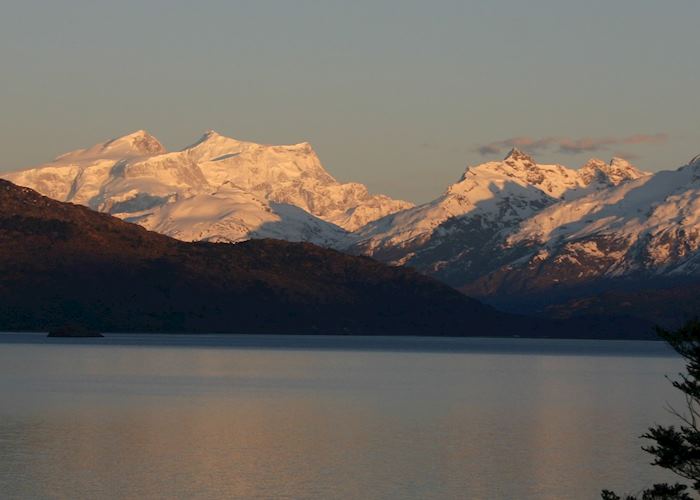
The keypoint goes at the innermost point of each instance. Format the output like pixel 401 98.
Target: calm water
pixel 251 417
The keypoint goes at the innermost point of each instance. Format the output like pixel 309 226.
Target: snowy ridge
pixel 218 188
pixel 231 214
pixel 650 225
pixel 292 175
pixel 488 199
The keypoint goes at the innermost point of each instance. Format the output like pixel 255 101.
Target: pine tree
pixel 677 448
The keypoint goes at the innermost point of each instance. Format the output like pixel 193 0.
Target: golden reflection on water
pixel 159 422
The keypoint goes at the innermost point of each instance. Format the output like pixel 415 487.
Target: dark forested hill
pixel 63 263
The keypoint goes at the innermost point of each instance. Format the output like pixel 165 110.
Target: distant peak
pixel 624 168
pixel 139 133
pixel 595 163
pixel 516 155
pixel 211 133
pixel 616 163
pixel 619 162
pixel 213 137
pixel 695 162
pixel 208 135
pixel 615 172
pixel 140 142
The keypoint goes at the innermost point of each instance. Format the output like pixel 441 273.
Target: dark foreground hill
pixel 665 302
pixel 65 264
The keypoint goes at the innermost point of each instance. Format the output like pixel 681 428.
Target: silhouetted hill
pixel 665 302
pixel 63 263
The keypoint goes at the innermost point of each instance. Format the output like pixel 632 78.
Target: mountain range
pixel 525 236
pixel 458 235
pixel 66 264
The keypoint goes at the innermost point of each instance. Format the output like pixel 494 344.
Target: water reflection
pixel 163 422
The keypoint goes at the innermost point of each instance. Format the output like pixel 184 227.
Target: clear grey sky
pixel 399 95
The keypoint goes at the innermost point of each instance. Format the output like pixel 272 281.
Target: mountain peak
pixel 594 163
pixel 206 136
pixel 516 155
pixel 694 162
pixel 615 172
pixel 618 162
pixel 215 139
pixel 622 170
pixel 140 142
pixel 211 134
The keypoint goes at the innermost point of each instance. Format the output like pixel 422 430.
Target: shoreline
pixel 417 344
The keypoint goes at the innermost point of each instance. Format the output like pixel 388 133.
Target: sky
pixel 399 95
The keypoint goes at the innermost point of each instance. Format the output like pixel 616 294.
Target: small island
pixel 73 331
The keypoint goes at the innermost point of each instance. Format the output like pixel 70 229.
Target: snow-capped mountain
pixel 232 214
pixel 292 175
pixel 218 189
pixel 455 237
pixel 646 228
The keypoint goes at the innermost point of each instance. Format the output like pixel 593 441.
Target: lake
pixel 139 416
